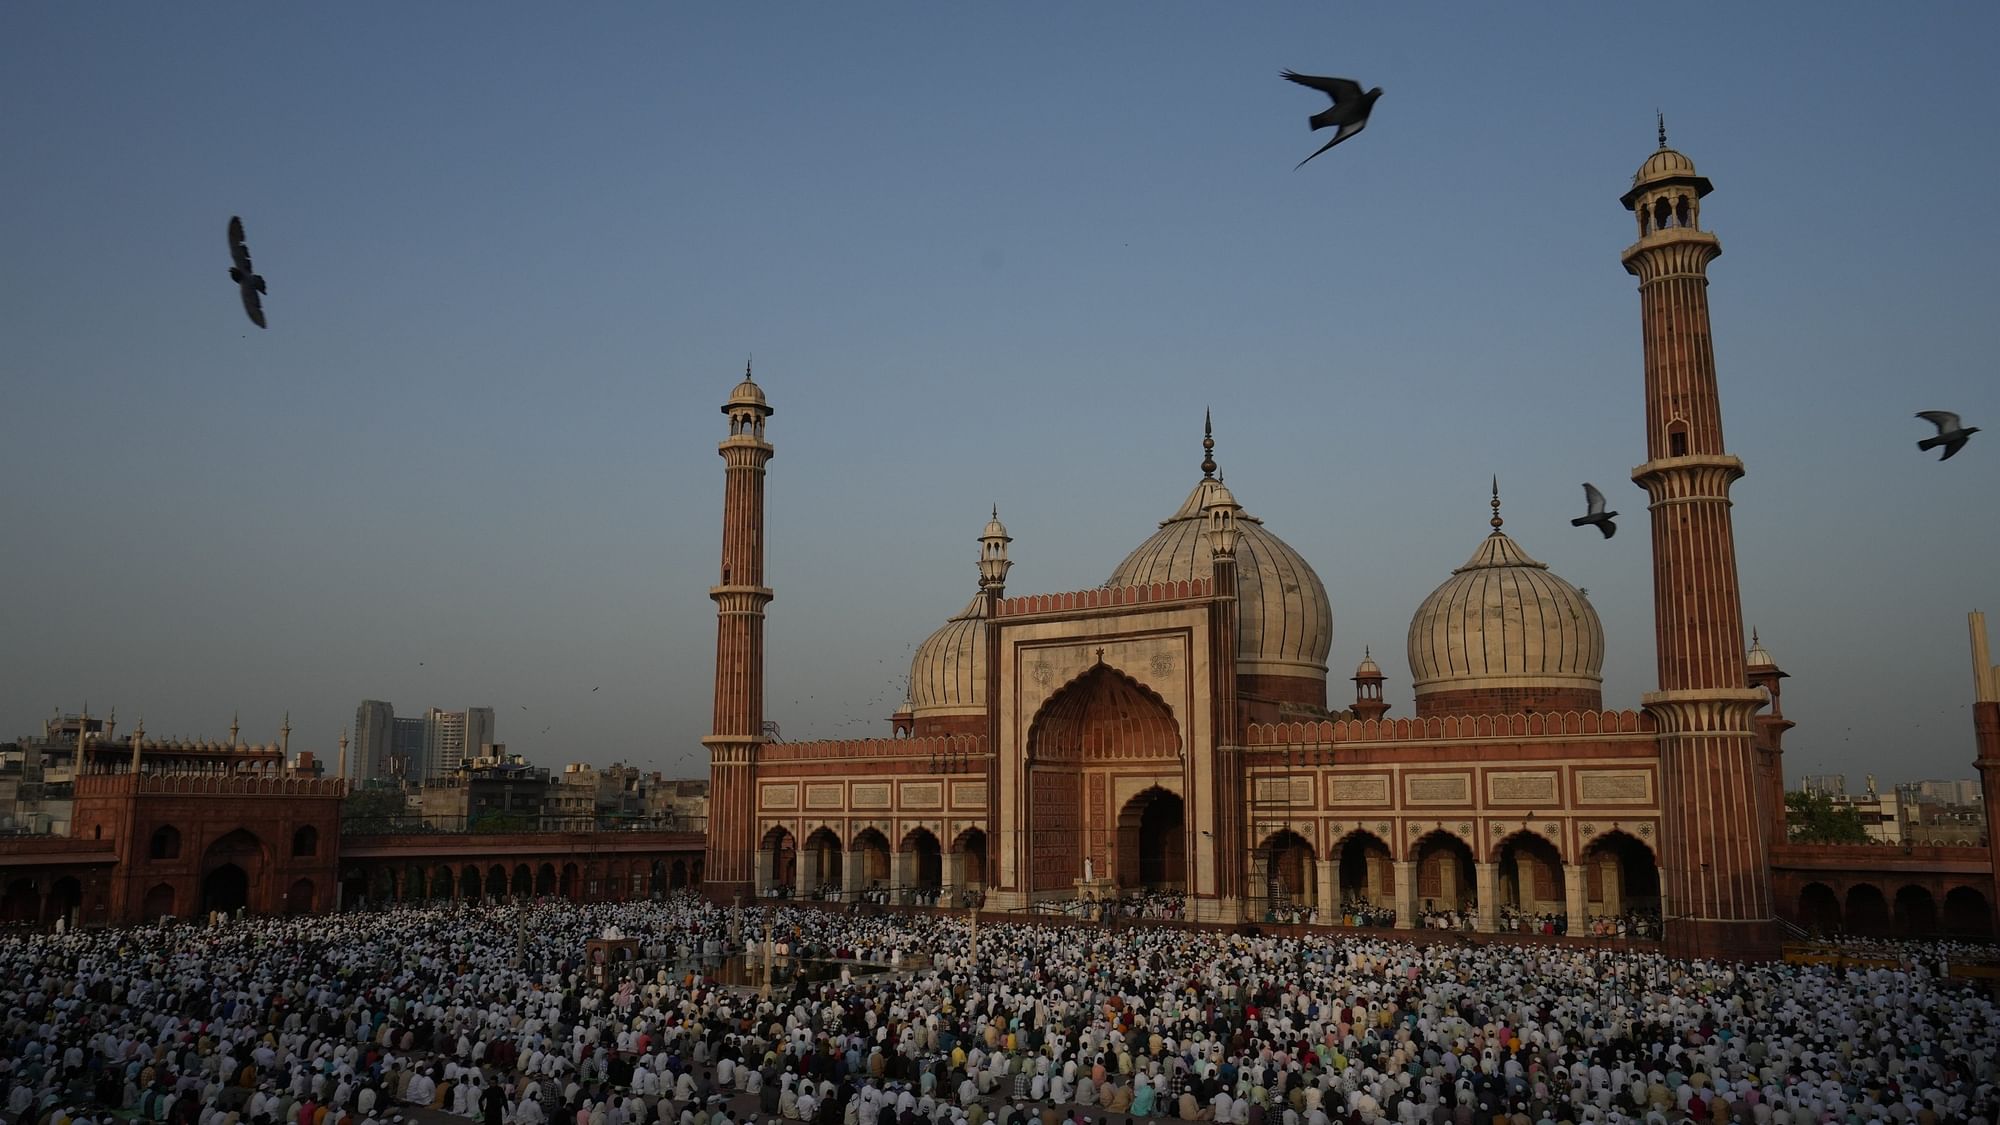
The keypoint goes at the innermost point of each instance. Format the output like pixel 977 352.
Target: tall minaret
pixel 1986 732
pixel 1715 871
pixel 1232 838
pixel 740 599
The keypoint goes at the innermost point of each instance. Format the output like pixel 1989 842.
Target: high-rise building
pixel 451 738
pixel 408 753
pixel 374 740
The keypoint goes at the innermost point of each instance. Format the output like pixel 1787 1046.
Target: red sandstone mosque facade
pixel 1172 729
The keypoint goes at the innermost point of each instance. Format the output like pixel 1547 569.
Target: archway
pixel 1620 877
pixel 1101 724
pixel 468 882
pixel 22 902
pixel 658 883
pixel 571 882
pixel 1867 911
pixel 65 903
pixel 231 867
pixel 305 842
pixel 545 879
pixel 678 876
pixel 225 888
pixel 1444 873
pixel 777 861
pixel 159 903
pixel 413 884
pixel 1289 873
pixel 920 862
pixel 1967 914
pixel 1530 877
pixel 354 889
pixel 524 881
pixel 1819 909
pixel 870 856
pixel 825 863
pixel 496 881
pixel 165 844
pixel 968 852
pixel 299 899
pixel 1152 842
pixel 1916 913
pixel 442 883
pixel 1367 876
pixel 382 887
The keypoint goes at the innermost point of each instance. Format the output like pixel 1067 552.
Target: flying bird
pixel 249 282
pixel 1596 515
pixel 1349 110
pixel 1951 434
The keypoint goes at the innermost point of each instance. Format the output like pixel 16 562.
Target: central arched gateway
pixel 1085 746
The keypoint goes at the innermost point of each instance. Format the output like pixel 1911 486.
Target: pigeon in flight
pixel 249 282
pixel 1950 434
pixel 1349 110
pixel 1597 515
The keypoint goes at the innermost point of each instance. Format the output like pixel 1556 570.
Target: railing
pixel 509 823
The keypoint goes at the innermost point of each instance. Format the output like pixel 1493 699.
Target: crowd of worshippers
pixel 495 1013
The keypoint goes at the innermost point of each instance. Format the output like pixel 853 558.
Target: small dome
pixel 1504 632
pixel 1367 669
pixel 994 528
pixel 747 393
pixel 1662 164
pixel 1759 656
pixel 948 674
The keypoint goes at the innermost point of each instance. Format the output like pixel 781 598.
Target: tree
pixel 1813 818
pixel 372 808
pixel 504 822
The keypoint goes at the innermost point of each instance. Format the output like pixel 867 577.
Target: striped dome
pixel 1284 622
pixel 1504 621
pixel 948 674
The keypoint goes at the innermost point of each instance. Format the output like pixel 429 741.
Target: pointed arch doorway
pixel 1097 737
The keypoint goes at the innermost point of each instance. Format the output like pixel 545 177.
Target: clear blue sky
pixel 982 253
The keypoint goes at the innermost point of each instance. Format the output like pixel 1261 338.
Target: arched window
pixel 166 843
pixel 305 841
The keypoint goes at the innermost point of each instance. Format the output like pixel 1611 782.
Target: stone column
pixel 854 871
pixel 1576 889
pixel 1258 894
pixel 902 873
pixel 1329 891
pixel 767 866
pixel 1486 884
pixel 1613 881
pixel 1406 894
pixel 951 878
pixel 805 872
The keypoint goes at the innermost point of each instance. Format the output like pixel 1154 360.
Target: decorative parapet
pixel 945 746
pixel 1105 597
pixel 1535 725
pixel 218 784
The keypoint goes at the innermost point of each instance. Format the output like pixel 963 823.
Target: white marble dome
pixel 1504 621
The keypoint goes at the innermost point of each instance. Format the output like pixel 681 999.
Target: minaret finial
pixel 1366 653
pixel 1496 521
pixel 996 509
pixel 1207 443
pixel 748 358
pixel 1662 118
pixel 1754 642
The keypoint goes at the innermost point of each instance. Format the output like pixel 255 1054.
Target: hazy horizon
pixel 517 258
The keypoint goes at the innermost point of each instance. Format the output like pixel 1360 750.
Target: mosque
pixel 1174 729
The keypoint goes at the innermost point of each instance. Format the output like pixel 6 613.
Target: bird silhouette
pixel 1596 514
pixel 1951 434
pixel 248 281
pixel 1349 110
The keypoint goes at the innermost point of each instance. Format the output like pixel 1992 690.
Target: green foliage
pixel 1813 818
pixel 372 804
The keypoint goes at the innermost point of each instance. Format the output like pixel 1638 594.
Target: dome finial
pixel 746 367
pixel 1662 118
pixel 1496 521
pixel 1207 443
pixel 1754 642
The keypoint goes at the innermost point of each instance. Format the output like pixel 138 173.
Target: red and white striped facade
pixel 1715 855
